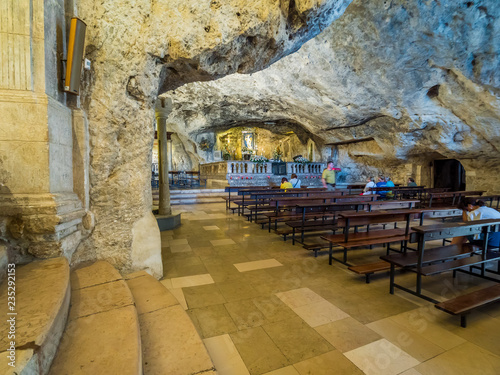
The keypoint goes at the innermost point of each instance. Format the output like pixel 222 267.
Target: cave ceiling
pixel 419 77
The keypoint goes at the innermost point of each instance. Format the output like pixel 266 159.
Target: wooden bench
pixel 452 198
pixel 315 208
pixel 464 304
pixel 369 269
pixel 349 240
pixel 428 262
pixel 232 189
pixel 324 210
pixel 287 200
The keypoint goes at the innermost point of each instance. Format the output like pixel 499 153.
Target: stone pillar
pixel 40 215
pixel 162 109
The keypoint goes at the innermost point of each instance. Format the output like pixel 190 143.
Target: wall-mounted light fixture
pixel 76 46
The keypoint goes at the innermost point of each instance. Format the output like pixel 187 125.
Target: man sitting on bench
pixel 475 209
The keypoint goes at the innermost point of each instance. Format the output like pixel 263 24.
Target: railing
pixel 248 167
pixel 309 168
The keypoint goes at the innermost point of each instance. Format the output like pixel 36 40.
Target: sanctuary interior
pixel 146 226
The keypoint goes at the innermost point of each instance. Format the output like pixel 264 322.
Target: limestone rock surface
pixel 420 78
pixel 139 48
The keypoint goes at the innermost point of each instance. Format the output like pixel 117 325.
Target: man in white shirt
pixel 370 184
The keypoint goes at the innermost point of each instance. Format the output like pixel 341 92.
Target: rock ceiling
pixel 421 77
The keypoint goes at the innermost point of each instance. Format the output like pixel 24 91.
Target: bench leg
pixel 315 253
pixel 463 321
pixel 367 278
pixel 330 254
pixel 284 237
pixel 391 279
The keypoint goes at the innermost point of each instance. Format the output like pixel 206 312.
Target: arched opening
pixel 449 173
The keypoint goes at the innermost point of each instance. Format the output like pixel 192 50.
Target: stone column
pixel 162 109
pixel 40 215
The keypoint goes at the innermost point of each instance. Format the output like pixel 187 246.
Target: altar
pixel 248 173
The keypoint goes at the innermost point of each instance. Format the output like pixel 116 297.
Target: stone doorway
pixel 449 173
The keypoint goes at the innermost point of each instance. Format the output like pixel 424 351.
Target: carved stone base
pixel 40 225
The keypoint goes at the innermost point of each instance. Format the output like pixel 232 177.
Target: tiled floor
pixel 264 306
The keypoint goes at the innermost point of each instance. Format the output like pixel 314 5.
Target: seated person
pixel 295 181
pixel 389 183
pixel 381 183
pixel 369 184
pixel 285 184
pixel 473 210
pixel 411 182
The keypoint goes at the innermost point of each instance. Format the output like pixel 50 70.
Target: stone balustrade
pixel 234 172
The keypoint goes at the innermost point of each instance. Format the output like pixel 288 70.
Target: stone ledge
pixel 42 302
pixel 170 342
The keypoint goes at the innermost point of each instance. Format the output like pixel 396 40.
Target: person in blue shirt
pixel 381 183
pixel 389 183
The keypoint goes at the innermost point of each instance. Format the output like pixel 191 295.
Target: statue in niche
pixel 248 141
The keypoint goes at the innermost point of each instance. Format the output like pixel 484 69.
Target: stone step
pixel 170 342
pixel 195 191
pixel 191 196
pixel 102 335
pixel 192 201
pixel 42 297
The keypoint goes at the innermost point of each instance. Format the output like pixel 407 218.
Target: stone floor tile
pixel 482 331
pixel 195 280
pixel 381 358
pixel 213 321
pixel 226 241
pixel 179 296
pixel 258 264
pixel 182 241
pixel 421 322
pixel 319 313
pixel 224 355
pixel 347 334
pixel 258 351
pixel 288 370
pixel 299 297
pixel 273 308
pixel 411 342
pixel 411 371
pixel 183 248
pixel 326 364
pixel 465 359
pixel 233 291
pixel 296 340
pixel 211 227
pixel 203 295
pixel 245 314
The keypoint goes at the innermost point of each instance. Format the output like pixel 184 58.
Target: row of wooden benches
pixel 318 215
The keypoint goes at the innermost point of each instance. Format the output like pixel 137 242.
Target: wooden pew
pixel 268 201
pixel 232 189
pixel 278 216
pixel 349 240
pixel 466 303
pixel 322 210
pixel 428 262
